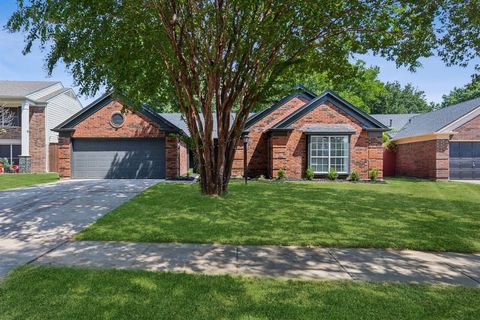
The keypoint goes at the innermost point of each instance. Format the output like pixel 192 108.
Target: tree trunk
pixel 215 181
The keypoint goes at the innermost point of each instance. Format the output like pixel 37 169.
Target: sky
pixel 434 78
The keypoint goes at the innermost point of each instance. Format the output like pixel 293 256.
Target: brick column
pixel 64 155
pixel 37 139
pixel 172 157
pixel 442 163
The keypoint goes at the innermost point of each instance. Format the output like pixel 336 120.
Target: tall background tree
pixel 398 99
pixel 457 95
pixel 213 56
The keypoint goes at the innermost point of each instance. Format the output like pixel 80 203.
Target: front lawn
pixel 9 181
pixel 61 293
pixel 402 213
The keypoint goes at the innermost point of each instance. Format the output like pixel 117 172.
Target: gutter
pixel 424 137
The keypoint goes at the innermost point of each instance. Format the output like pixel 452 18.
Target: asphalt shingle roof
pixel 433 121
pixel 394 121
pixel 179 121
pixel 10 88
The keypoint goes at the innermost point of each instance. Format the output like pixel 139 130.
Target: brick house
pixel 442 144
pixel 307 131
pixel 300 131
pixel 104 141
pixel 30 109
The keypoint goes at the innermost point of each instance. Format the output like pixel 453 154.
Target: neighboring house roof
pixel 9 88
pixel 367 121
pixel 394 121
pixel 435 121
pixel 30 90
pixel 70 123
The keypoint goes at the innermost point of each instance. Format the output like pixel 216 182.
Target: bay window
pixel 329 152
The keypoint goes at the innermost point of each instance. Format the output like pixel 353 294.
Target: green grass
pixel 63 293
pixel 9 181
pixel 402 213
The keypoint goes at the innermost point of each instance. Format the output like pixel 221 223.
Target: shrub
pixel 373 174
pixel 309 174
pixel 281 174
pixel 355 176
pixel 7 166
pixel 332 174
pixel 189 172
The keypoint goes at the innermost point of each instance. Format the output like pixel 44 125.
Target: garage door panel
pixel 118 158
pixel 465 160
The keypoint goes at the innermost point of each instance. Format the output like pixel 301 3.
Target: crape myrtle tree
pixel 209 57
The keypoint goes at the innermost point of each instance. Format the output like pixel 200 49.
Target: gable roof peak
pixel 300 91
pixel 368 122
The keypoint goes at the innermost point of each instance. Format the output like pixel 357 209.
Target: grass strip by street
pixel 35 292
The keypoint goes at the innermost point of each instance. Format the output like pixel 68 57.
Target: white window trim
pixel 329 157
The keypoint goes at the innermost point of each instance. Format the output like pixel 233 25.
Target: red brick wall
pixel 37 138
pixel 136 125
pixel 290 152
pixel 423 159
pixel 257 150
pixel 183 158
pixel 64 154
pixel 98 125
pixel 469 130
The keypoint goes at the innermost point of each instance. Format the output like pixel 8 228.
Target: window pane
pixel 329 152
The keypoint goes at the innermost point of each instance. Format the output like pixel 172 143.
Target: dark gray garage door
pixel 465 160
pixel 118 158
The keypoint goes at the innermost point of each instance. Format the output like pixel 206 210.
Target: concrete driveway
pixel 35 220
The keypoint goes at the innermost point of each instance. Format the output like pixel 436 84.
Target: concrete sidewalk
pixel 273 261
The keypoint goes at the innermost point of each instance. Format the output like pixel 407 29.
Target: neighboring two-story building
pixel 30 110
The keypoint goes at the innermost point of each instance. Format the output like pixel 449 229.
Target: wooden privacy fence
pixel 53 157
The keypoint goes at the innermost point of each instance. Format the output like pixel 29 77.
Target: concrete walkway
pixel 34 220
pixel 271 261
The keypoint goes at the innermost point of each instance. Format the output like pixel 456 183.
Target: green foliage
pixel 309 174
pixel 355 176
pixel 457 95
pixel 387 142
pixel 398 99
pixel 281 174
pixel 6 164
pixel 332 174
pixel 373 174
pixel 127 47
pixel 358 84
